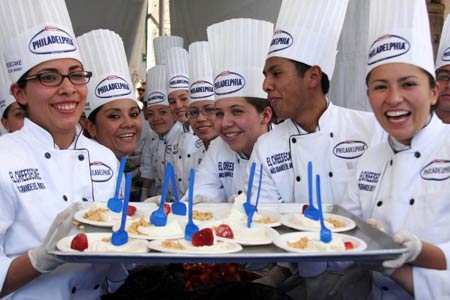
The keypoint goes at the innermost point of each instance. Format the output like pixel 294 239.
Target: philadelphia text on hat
pixel 51 40
pixel 446 55
pixel 2 103
pixel 100 172
pixel 179 81
pixel 155 98
pixel 438 170
pixel 228 82
pixel 112 86
pixel 281 40
pixel 350 149
pixel 201 89
pixel 386 47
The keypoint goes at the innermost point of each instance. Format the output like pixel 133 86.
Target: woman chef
pixel 112 111
pixel 404 183
pixel 47 165
pixel 242 111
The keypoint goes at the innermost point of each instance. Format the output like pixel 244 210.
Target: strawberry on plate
pixel 167 209
pixel 79 242
pixel 305 207
pixel 131 210
pixel 223 230
pixel 203 237
pixel 348 245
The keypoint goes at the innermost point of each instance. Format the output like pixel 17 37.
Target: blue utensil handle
pixel 191 191
pixel 173 181
pixel 310 180
pixel 319 199
pixel 123 161
pixel 259 185
pixel 250 181
pixel 165 187
pixel 128 179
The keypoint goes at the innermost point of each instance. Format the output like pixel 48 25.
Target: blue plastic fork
pixel 158 217
pixel 178 207
pixel 190 228
pixel 253 209
pixel 120 236
pixel 114 203
pixel 248 205
pixel 325 233
pixel 311 212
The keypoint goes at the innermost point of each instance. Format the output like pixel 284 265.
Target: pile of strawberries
pixel 200 275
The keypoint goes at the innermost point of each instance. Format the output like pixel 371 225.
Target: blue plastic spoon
pixel 158 217
pixel 178 207
pixel 253 209
pixel 190 228
pixel 311 212
pixel 114 203
pixel 120 236
pixel 325 233
pixel 248 205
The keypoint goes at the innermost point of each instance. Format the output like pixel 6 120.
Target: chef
pixel 47 165
pixel 112 110
pixel 242 111
pixel 404 182
pixel 443 73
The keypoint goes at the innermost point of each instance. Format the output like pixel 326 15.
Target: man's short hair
pixel 301 70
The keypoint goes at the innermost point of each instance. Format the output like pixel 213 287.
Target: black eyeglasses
pixel 194 113
pixel 443 76
pixel 140 90
pixel 55 78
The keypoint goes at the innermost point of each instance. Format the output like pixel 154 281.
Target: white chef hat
pixel 162 44
pixel 156 87
pixel 201 85
pixel 308 31
pixel 399 32
pixel 33 32
pixel 443 55
pixel 6 99
pixel 177 69
pixel 103 53
pixel 238 52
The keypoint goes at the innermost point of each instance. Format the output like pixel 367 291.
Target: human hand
pixel 155 199
pixel 410 241
pixel 40 259
pixel 376 224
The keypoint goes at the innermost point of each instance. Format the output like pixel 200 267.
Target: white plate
pixel 281 241
pixel 113 218
pixel 132 246
pixel 154 236
pixel 224 247
pixel 294 221
pixel 271 234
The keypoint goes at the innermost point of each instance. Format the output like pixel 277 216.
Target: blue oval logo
pixel 179 82
pixel 438 170
pixel 350 149
pixel 51 40
pixel 446 55
pixel 201 89
pixel 280 41
pixel 228 82
pixel 112 86
pixel 155 98
pixel 386 47
pixel 100 172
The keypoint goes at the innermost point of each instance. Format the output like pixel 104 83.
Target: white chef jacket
pixel 37 181
pixel 342 136
pixel 188 152
pixel 409 190
pixel 157 155
pixel 221 173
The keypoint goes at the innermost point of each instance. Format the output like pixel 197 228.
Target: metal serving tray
pixel 380 246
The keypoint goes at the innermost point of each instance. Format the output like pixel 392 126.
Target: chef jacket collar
pixel 322 120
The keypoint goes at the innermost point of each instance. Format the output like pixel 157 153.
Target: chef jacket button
pixel 162 162
pixel 153 139
pixel 81 157
pixel 239 161
pixel 165 143
pixel 298 178
pixel 96 286
pixel 294 140
pixel 239 192
pixel 331 134
pixel 391 162
pixel 379 203
pixel 330 174
pixel 47 155
pixel 64 197
pixel 74 289
pixel 411 201
pixel 385 288
pixel 179 157
pixel 179 179
pixel 417 154
pixel 84 199
pixel 188 155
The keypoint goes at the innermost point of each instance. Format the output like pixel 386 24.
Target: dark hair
pixel 303 68
pixel 260 105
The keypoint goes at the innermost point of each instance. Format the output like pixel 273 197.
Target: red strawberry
pixel 203 237
pixel 305 207
pixel 167 209
pixel 131 210
pixel 224 231
pixel 348 246
pixel 79 242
